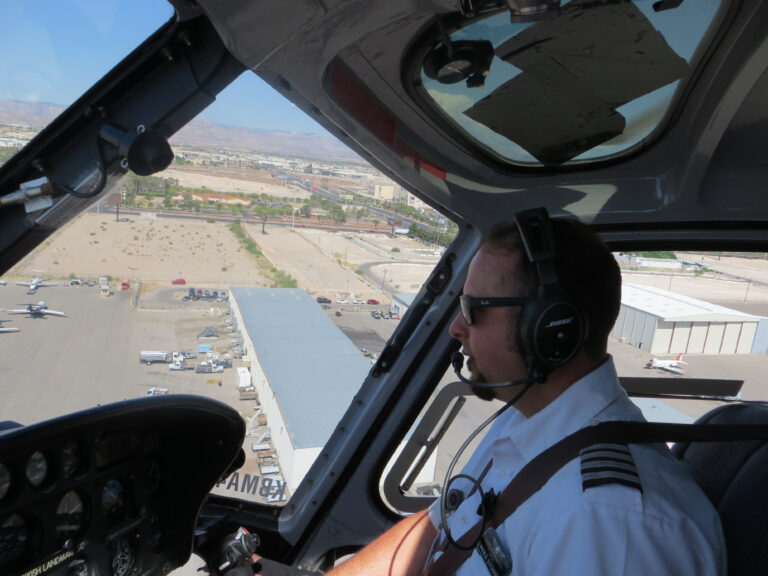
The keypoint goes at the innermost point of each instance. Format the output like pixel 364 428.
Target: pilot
pixel 616 509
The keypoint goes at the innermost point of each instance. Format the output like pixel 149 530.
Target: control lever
pixel 236 551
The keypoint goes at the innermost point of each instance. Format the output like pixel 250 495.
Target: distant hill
pixel 34 114
pixel 205 134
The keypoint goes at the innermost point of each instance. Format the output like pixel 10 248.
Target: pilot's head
pixel 588 276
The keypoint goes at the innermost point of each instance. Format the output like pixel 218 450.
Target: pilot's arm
pixel 401 550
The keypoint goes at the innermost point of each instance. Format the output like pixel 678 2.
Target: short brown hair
pixel 587 274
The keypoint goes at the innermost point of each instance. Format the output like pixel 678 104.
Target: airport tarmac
pixel 60 365
pixel 94 351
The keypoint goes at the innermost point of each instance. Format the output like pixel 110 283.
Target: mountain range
pixel 203 133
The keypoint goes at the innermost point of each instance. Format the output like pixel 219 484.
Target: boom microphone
pixel 457 361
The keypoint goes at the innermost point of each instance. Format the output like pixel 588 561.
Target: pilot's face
pixel 490 343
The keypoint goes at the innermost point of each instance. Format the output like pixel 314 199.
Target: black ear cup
pixel 553 333
pixel 550 333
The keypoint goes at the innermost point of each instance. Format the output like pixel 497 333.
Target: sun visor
pixel 576 69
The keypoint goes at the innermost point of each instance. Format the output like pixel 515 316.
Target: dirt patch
pixel 157 251
pixel 235 183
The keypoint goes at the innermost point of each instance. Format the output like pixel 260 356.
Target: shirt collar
pixel 581 402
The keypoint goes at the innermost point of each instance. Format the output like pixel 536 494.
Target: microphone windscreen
pixel 457 361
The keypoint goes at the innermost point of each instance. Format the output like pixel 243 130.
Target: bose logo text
pixel 559 322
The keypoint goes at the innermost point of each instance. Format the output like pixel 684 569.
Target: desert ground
pixel 235 183
pixel 157 251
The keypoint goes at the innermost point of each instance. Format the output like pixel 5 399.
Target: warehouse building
pixel 662 322
pixel 304 369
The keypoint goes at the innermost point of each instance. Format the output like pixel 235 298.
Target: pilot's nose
pixel 458 328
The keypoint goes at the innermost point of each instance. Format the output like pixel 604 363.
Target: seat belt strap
pixel 539 470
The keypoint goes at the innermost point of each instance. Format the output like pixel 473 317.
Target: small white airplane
pixel 38 310
pixel 35 283
pixel 668 365
pixel 3 330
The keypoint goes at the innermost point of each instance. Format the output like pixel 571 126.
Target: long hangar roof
pixel 678 308
pixel 311 365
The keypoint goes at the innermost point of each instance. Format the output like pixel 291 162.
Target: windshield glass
pixel 539 94
pixel 266 268
pixel 60 49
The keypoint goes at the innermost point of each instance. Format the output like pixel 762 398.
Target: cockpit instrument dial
pixel 5 480
pixel 13 538
pixel 122 557
pixel 37 469
pixel 113 499
pixel 69 516
pixel 79 568
pixel 70 458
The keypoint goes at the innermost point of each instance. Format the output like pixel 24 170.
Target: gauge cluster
pixel 114 490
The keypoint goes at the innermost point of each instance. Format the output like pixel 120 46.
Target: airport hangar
pixel 305 370
pixel 662 322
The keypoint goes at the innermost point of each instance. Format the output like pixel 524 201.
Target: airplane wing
pixel 43 284
pixel 9 330
pixel 52 312
pixel 25 311
pixel 673 369
pixel 22 283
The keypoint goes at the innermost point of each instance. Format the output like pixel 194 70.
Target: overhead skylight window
pixel 591 81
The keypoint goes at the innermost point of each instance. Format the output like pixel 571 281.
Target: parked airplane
pixel 2 330
pixel 38 310
pixel 668 365
pixel 35 283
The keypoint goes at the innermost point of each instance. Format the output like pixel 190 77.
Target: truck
pixel 151 357
pixel 208 368
pixel 180 365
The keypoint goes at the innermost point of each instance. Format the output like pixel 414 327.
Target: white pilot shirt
pixel 669 527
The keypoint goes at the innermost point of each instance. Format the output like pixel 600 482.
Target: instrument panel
pixel 114 490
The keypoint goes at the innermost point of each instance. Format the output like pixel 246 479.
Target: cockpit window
pixel 585 83
pixel 49 42
pixel 268 275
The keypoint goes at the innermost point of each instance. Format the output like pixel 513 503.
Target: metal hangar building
pixel 304 369
pixel 662 322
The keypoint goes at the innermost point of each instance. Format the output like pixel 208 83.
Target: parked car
pixel 372 301
pixel 342 301
pixel 323 300
pixel 179 281
pixel 75 282
pixel 155 391
pixel 376 314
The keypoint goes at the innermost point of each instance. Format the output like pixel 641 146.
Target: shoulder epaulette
pixel 608 464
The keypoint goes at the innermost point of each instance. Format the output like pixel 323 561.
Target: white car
pixel 342 301
pixel 155 391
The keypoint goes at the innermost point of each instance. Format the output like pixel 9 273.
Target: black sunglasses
pixel 468 304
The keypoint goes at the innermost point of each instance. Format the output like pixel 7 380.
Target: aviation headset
pixel 551 328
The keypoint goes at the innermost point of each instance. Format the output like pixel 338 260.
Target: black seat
pixel 734 475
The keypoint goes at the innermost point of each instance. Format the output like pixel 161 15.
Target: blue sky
pixel 53 50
